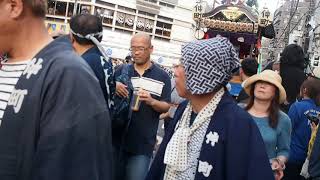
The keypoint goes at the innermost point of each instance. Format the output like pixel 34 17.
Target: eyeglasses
pixel 140 49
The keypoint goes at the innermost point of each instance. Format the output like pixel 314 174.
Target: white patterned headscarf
pixel 208 64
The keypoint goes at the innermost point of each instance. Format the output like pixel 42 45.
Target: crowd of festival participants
pixel 67 113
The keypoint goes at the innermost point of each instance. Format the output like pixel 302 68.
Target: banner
pixel 57 27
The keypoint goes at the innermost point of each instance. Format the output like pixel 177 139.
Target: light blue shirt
pixel 277 141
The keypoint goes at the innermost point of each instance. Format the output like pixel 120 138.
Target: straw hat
pixel 270 77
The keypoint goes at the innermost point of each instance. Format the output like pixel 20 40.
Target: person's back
pixel 301 126
pixel 86 30
pixel 48 131
pixel 292 65
pixel 93 57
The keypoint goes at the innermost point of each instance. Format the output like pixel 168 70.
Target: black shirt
pixel 141 136
pixel 93 57
pixel 243 97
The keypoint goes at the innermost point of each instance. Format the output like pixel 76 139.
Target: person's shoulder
pixel 161 72
pixel 92 56
pixel 68 60
pixel 232 110
pixel 284 119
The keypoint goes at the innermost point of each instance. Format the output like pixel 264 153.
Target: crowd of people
pixel 67 113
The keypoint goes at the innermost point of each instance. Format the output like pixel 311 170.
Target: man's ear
pixel 16 8
pixel 240 72
pixel 151 49
pixel 304 91
pixel 71 38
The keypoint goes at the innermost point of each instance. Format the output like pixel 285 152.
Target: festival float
pixel 243 25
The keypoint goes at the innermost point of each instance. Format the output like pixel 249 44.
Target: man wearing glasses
pixel 151 85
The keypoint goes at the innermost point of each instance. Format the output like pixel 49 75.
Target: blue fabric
pixel 277 141
pixel 239 154
pixel 235 88
pixel 63 129
pixel 137 167
pixel 65 39
pixel 141 136
pixel 93 58
pixel 301 131
pixel 121 109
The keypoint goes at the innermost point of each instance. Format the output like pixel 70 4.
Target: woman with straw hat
pixel 266 95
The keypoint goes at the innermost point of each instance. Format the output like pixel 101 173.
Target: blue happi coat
pixel 239 154
pixel 57 125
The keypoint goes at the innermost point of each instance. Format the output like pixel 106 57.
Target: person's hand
pixel 313 126
pixel 146 97
pixel 121 90
pixel 278 174
pixel 277 167
pixel 164 115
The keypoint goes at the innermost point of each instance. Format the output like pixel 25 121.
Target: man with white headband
pixel 86 35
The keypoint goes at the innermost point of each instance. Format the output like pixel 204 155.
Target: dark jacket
pixel 292 79
pixel 61 128
pixel 240 153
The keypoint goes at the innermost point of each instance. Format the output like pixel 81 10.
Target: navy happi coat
pixel 239 154
pixel 57 125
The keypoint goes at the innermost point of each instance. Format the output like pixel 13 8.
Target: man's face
pixel 180 78
pixel 141 50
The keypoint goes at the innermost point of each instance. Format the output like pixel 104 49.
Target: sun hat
pixel 270 77
pixel 208 64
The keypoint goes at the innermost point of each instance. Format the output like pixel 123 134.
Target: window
pixel 81 9
pixel 105 3
pixel 166 5
pixel 70 9
pixel 51 7
pixel 54 19
pixel 57 8
pixel 127 9
pixel 165 18
pixel 152 1
pixel 161 38
pixel 125 20
pixel 85 9
pixel 106 15
pixel 61 8
pixel 146 14
pixel 163 29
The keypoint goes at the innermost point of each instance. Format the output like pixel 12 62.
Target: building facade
pixel 314 36
pixel 288 33
pixel 168 22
